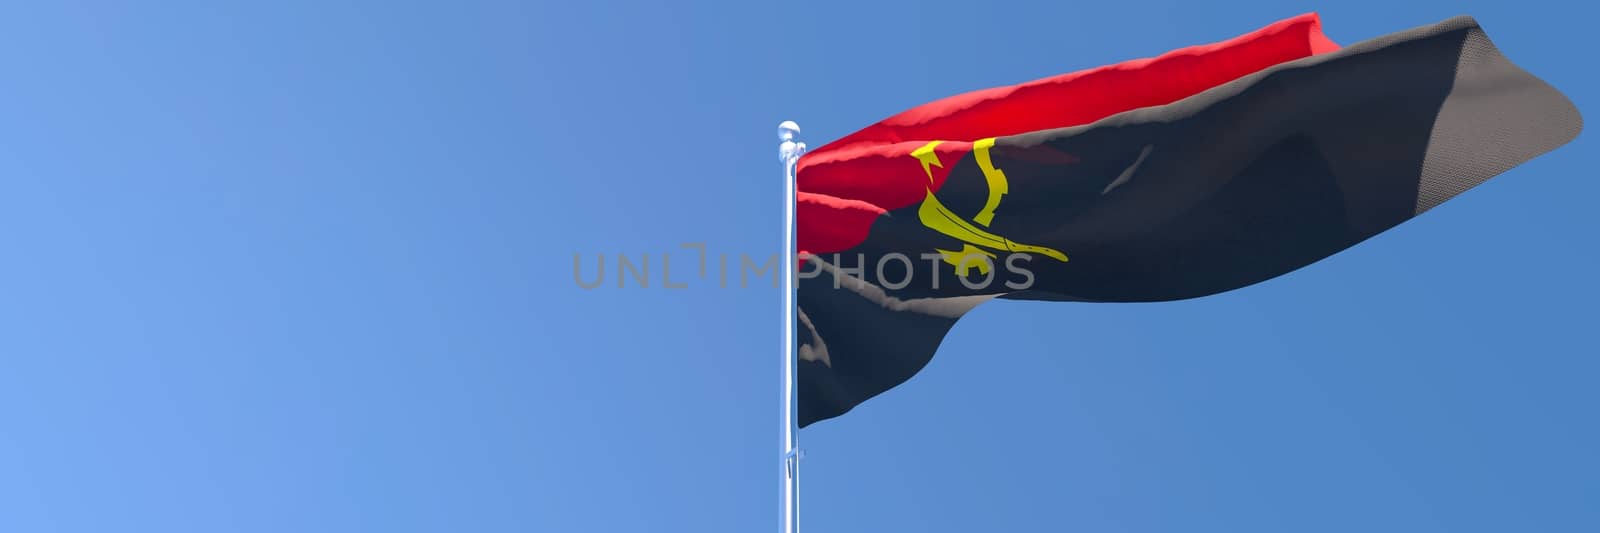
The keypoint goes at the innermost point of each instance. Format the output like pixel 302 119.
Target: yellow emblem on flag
pixel 977 241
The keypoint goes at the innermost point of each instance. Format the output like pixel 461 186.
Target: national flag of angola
pixel 1199 171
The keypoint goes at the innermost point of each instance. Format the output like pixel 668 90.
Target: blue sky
pixel 307 266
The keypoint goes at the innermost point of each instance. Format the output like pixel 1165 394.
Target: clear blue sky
pixel 307 266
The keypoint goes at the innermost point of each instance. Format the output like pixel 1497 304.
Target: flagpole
pixel 789 152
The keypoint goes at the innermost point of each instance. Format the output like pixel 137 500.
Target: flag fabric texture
pixel 1199 171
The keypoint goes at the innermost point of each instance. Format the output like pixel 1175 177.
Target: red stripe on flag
pixel 874 165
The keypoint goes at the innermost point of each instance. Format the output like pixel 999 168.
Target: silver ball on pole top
pixel 790 148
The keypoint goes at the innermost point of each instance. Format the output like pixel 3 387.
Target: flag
pixel 1203 170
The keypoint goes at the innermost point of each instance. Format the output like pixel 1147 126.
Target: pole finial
pixel 790 149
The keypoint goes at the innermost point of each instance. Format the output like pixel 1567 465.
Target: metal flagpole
pixel 789 152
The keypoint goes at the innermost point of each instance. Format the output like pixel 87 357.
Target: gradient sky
pixel 307 266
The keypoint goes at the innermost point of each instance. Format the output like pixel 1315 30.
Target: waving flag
pixel 1200 171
